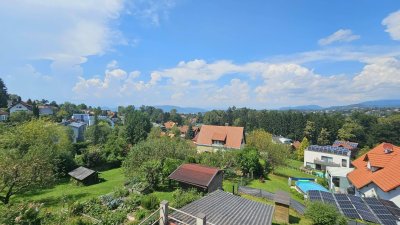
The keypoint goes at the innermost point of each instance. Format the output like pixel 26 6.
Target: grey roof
pixel 222 208
pixel 282 197
pixel 77 124
pixel 81 173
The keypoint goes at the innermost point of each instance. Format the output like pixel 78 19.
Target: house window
pixel 215 142
pixel 326 159
pixel 344 162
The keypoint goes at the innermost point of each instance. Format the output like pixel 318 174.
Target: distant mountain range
pixel 384 103
pixel 186 110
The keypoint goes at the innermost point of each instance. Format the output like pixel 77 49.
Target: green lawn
pixel 295 163
pixel 290 172
pixel 68 192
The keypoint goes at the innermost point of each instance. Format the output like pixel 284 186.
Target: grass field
pixel 69 192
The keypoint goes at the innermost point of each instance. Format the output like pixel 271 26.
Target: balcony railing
pixel 326 163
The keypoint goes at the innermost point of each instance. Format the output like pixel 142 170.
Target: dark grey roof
pixel 222 208
pixel 282 197
pixel 81 173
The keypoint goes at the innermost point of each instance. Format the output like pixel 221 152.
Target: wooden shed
pixel 282 203
pixel 204 178
pixel 84 176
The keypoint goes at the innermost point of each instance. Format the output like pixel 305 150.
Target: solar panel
pixel 391 207
pixel 341 197
pixel 351 213
pixel 314 195
pixel 389 222
pixel 329 149
pixel 381 211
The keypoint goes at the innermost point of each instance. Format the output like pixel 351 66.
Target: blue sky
pixel 211 54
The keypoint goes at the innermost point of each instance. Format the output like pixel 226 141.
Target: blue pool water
pixel 306 185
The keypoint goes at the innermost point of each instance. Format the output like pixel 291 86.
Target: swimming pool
pixel 306 185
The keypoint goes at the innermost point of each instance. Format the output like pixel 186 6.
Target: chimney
pixel 387 148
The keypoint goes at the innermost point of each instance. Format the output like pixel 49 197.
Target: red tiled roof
pixel 169 124
pixel 194 174
pixel 296 144
pixel 387 178
pixel 233 136
pixel 345 144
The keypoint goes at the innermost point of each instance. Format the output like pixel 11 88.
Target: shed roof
pixel 282 197
pixel 194 174
pixel 81 173
pixel 223 208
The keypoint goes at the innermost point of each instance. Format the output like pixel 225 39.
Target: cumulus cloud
pixel 342 35
pixel 392 23
pixel 202 83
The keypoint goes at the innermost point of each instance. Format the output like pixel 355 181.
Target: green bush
pixel 141 214
pixel 182 198
pixel 296 193
pixel 121 192
pixel 323 182
pixel 322 214
pixel 76 208
pixel 23 213
pixel 150 202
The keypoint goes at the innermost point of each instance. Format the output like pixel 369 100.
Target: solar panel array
pixel 330 149
pixel 352 144
pixel 391 207
pixel 384 215
pixel 354 207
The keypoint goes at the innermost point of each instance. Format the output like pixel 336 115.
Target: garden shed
pixel 282 203
pixel 85 176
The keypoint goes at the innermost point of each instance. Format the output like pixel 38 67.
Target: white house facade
pixel 320 157
pixel 20 107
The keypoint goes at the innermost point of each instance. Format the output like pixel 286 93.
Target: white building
pixel 377 173
pixel 337 179
pixel 20 107
pixel 86 118
pixel 45 110
pixel 3 116
pixel 78 129
pixel 320 157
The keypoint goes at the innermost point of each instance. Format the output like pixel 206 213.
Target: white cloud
pixel 342 35
pixel 60 31
pixel 392 23
pixel 152 10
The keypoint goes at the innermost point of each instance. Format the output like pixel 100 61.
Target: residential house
pixel 45 110
pixel 20 107
pixel 221 208
pixel 296 145
pixel 337 179
pixel 3 115
pixel 169 125
pixel 184 129
pixel 213 138
pixel 320 157
pixel 204 178
pixel 281 140
pixel 377 173
pixel 85 117
pixel 85 176
pixel 78 129
pixel 352 146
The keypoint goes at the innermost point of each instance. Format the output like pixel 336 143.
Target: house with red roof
pixel 377 173
pixel 204 178
pixel 213 138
